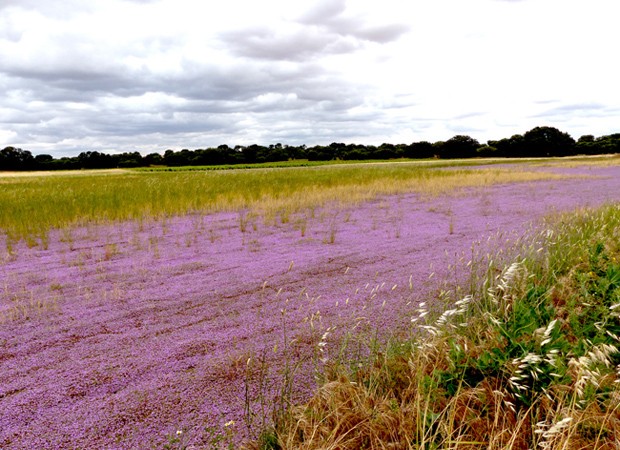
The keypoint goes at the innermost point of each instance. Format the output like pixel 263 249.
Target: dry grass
pixel 61 173
pixel 427 183
pixel 529 359
pixel 31 205
pixel 581 161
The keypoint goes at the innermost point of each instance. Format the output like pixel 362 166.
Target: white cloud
pixel 155 74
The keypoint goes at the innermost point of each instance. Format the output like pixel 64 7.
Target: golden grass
pixel 583 161
pixel 35 203
pixel 60 173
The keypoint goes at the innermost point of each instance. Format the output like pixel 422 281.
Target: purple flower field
pixel 115 337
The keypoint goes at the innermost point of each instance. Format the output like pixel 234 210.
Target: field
pixel 151 309
pixel 31 206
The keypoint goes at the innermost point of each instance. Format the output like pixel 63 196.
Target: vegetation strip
pixel 30 207
pixel 538 142
pixel 529 359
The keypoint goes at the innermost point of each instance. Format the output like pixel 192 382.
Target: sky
pixel 150 75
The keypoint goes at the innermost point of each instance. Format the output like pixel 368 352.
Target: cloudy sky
pixel 147 75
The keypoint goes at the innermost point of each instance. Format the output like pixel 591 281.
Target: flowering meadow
pixel 528 358
pixel 196 327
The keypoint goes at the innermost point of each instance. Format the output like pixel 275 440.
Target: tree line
pixel 538 142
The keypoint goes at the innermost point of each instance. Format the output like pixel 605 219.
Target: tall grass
pixel 31 206
pixel 529 358
pixel 588 161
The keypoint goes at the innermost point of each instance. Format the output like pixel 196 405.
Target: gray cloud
pixel 330 16
pixel 381 34
pixel 577 110
pixel 321 31
pixel 242 101
pixel 326 74
pixel 323 11
pixel 301 45
pixel 273 85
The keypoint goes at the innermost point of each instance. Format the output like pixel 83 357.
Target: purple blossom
pixel 116 336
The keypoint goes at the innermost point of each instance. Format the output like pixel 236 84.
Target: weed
pixel 111 250
pixel 243 221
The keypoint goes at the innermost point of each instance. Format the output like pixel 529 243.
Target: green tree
pixel 43 162
pixel 152 159
pixel 460 146
pixel 608 144
pixel 548 141
pixel 12 158
pixel 421 150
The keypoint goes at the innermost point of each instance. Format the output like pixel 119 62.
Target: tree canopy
pixel 541 141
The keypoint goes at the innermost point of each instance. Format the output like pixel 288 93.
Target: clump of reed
pixel 528 358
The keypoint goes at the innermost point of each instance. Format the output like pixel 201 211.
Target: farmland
pixel 30 207
pixel 137 304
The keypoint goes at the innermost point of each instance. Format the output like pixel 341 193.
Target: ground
pixel 116 336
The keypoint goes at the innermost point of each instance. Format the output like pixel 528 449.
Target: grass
pixel 268 165
pixel 594 161
pixel 528 358
pixel 436 163
pixel 32 205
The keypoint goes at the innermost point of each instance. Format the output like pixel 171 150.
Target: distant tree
pixel 337 150
pixel 95 160
pixel 548 141
pixel 153 159
pixel 460 146
pixel 250 153
pixel 296 151
pixel 400 150
pixel 206 157
pixel 274 153
pixel 356 153
pixel 271 153
pixel 185 157
pixel 513 146
pixel 312 154
pixel 67 163
pixel 181 158
pixel 320 153
pixel 168 157
pixel 43 158
pixel 486 151
pixel 388 151
pixel 12 158
pixel 540 141
pixel 586 138
pixel 587 145
pixel 422 149
pixel 44 162
pixel 133 159
pixel 608 144
pixel 438 148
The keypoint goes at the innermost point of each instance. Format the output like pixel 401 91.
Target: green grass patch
pixel 571 161
pixel 32 205
pixel 527 359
